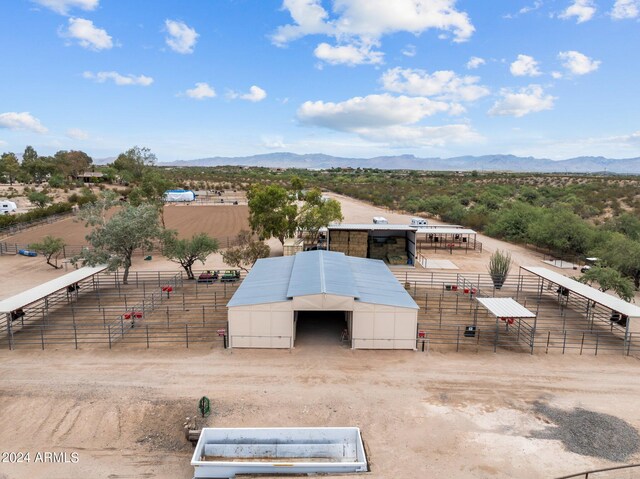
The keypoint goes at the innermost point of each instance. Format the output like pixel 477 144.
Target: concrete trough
pixel 225 452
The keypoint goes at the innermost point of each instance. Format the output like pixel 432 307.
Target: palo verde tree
pixel 609 279
pixel 113 241
pixel 50 248
pixel 317 212
pixel 623 254
pixel 272 212
pixel 186 252
pixel 247 251
pixel 39 198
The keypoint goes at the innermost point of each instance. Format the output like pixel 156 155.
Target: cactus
pixel 499 265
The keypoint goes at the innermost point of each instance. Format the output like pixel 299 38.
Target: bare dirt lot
pixel 436 415
pixel 220 221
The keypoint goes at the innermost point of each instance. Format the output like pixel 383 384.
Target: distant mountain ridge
pixel 583 164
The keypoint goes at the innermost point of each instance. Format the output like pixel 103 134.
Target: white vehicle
pixel 7 207
pixel 380 220
pixel 419 222
pixel 179 195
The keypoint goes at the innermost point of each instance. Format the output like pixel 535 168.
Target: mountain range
pixel 583 164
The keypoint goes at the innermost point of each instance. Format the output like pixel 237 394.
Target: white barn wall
pixel 383 327
pixel 268 325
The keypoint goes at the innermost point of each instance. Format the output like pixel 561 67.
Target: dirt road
pixel 437 416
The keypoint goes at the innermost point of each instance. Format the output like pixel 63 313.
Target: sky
pixel 359 78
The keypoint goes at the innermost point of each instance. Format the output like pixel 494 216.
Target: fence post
pixel 548 338
pixel 167 316
pixel 109 333
pixel 458 339
pixel 564 343
pixel 597 341
pixel 495 342
pixel 42 337
pixel 203 316
pixel 629 344
pixel 581 344
pixel 186 332
pixel 75 335
pixel 147 328
pixel 215 301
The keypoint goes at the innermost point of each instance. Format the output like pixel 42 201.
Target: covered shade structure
pixel 622 312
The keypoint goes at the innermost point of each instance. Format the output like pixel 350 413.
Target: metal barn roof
pixel 274 280
pixel 505 308
pixel 447 231
pixel 371 227
pixel 604 299
pixel 45 289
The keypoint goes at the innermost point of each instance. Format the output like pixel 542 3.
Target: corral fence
pixel 69 251
pixel 449 316
pixel 154 308
pixel 452 245
pixel 629 471
pixel 19 227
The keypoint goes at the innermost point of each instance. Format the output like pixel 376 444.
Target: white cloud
pixel 519 103
pixel 409 50
pixel 556 75
pixel 201 91
pixel 583 10
pixel 77 134
pixel 526 9
pixel 63 6
pixel 255 94
pixel 21 121
pixel 119 79
pixel 525 65
pixel 623 9
pixel 442 85
pixel 3 143
pixel 350 55
pixel 87 34
pixel 407 136
pixel 475 62
pixel 372 111
pixel 578 63
pixel 182 38
pixel 357 23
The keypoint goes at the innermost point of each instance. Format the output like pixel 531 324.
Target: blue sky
pixel 546 78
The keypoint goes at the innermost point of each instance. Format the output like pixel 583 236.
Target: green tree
pixel 115 240
pixel 272 212
pixel 513 223
pixel 186 252
pixel 71 163
pixel 626 223
pixel 132 163
pixel 9 166
pixel 50 248
pixel 39 199
pixel 561 231
pixel 246 252
pixel 623 254
pixel 151 190
pixel 37 167
pixel 609 279
pixel 317 212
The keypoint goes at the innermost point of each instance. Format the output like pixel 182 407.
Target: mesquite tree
pixel 50 248
pixel 186 252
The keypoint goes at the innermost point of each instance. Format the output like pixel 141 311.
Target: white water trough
pixel 225 452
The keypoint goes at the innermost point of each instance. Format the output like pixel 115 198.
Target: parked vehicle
pixel 7 207
pixel 590 262
pixel 208 277
pixel 230 276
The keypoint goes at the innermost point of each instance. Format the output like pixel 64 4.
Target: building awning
pixel 592 294
pixel 46 289
pixel 446 231
pixel 505 308
pixel 371 227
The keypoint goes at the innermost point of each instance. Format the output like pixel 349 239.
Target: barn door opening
pixel 322 328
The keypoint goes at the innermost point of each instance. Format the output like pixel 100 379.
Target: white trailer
pixel 380 220
pixel 419 222
pixel 179 196
pixel 7 207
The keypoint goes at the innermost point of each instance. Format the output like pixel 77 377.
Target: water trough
pixel 225 452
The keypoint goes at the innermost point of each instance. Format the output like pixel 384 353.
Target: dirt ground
pixel 436 415
pixel 421 415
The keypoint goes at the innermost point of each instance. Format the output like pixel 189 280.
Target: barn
pixel 322 294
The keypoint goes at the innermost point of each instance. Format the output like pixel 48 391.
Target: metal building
pixel 374 311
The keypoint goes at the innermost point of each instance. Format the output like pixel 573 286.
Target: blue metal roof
pixel 280 279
